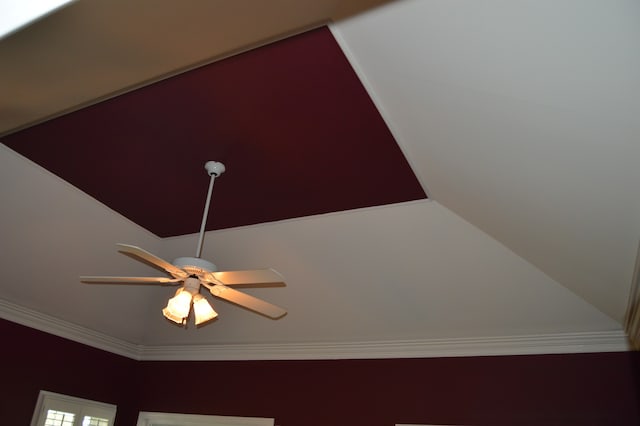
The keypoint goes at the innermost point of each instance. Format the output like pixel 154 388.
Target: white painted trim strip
pixel 632 317
pixel 34 319
pixel 146 418
pixel 614 341
pixel 600 341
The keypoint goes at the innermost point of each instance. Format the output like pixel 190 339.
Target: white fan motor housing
pixel 195 265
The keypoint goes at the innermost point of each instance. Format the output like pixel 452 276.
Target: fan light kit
pixel 195 272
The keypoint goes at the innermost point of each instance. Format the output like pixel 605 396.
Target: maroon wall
pixel 573 389
pixel 31 361
pixel 577 389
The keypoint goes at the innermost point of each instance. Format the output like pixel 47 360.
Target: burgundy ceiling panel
pixel 294 126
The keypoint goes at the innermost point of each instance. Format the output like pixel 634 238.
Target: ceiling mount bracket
pixel 214 168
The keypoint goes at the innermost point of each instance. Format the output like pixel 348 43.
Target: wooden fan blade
pixel 128 280
pixel 152 258
pixel 249 277
pixel 246 301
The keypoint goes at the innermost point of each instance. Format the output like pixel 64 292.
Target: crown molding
pixel 632 317
pixel 607 341
pixel 52 325
pixel 582 342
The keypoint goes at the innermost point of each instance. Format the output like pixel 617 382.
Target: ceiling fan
pixel 195 272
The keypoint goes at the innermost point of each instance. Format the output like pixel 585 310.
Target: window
pixel 54 409
pixel 58 418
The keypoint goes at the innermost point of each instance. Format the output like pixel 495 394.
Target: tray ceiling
pixel 519 118
pixel 291 121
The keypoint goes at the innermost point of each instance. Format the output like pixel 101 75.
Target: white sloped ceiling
pixel 522 117
pixel 519 118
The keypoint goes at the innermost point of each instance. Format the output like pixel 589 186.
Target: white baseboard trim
pixel 583 342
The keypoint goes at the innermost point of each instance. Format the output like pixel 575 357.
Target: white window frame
pixel 146 418
pixel 71 404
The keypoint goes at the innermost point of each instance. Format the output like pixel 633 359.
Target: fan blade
pixel 151 258
pixel 128 280
pixel 249 302
pixel 256 276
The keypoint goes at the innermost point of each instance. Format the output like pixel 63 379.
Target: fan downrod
pixel 214 169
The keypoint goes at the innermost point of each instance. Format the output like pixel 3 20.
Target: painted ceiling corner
pixel 291 121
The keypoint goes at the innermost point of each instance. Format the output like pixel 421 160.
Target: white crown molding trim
pixel 606 341
pixel 52 325
pixel 584 342
pixel 632 317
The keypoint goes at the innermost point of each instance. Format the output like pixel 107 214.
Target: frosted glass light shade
pixel 170 316
pixel 178 307
pixel 202 309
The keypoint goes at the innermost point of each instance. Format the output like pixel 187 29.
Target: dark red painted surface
pixel 583 389
pixel 293 124
pixel 574 389
pixel 31 361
